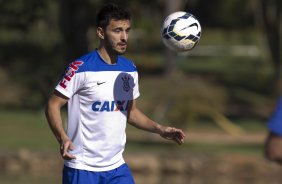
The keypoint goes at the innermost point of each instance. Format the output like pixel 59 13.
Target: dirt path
pixel 223 137
pixel 205 136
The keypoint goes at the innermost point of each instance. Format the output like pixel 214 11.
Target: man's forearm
pixel 54 119
pixel 141 121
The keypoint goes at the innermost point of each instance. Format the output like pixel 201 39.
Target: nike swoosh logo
pixel 195 24
pixel 99 83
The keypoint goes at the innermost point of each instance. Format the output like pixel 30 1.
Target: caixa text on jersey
pixel 109 106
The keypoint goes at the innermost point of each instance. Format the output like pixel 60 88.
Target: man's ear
pixel 100 33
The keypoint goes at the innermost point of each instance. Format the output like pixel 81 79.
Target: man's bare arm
pixel 53 115
pixel 273 148
pixel 141 121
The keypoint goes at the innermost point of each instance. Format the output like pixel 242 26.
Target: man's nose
pixel 124 35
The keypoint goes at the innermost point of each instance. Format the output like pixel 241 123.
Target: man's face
pixel 116 35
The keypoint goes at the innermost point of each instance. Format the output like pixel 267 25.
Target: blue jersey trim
pixel 275 121
pixel 92 62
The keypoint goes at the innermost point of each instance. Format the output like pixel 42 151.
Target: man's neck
pixel 108 57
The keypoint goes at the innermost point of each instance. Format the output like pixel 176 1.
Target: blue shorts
pixel 120 175
pixel 275 122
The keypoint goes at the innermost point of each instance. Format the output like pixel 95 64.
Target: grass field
pixel 29 129
pixel 25 129
pixel 29 180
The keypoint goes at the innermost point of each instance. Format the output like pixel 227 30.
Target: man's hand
pixel 65 146
pixel 172 133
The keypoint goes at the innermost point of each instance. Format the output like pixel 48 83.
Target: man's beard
pixel 111 48
pixel 121 51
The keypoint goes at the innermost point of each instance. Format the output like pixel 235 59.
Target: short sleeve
pixel 136 92
pixel 72 80
pixel 275 121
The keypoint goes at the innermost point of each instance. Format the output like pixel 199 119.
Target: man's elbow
pixel 273 148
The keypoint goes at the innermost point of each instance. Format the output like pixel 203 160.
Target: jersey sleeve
pixel 72 79
pixel 136 92
pixel 275 121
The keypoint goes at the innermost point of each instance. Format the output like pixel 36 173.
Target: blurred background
pixel 221 93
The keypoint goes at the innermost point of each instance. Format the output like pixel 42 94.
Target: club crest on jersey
pixel 69 73
pixel 126 85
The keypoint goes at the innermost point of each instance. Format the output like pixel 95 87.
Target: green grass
pixel 28 129
pixel 25 129
pixel 27 179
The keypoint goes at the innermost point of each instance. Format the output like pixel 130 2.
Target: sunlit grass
pixel 25 129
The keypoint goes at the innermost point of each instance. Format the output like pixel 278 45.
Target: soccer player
pixel 101 89
pixel 273 144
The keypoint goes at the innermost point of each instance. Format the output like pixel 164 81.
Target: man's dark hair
pixel 111 11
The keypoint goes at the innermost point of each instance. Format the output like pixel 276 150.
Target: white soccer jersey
pixel 99 95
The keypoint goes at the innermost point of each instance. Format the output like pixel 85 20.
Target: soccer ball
pixel 181 31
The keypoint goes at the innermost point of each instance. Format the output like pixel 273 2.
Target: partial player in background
pixel 273 143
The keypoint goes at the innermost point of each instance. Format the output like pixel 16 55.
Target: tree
pixel 74 25
pixel 30 45
pixel 170 56
pixel 268 16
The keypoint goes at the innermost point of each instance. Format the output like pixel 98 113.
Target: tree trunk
pixel 73 24
pixel 268 13
pixel 170 56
